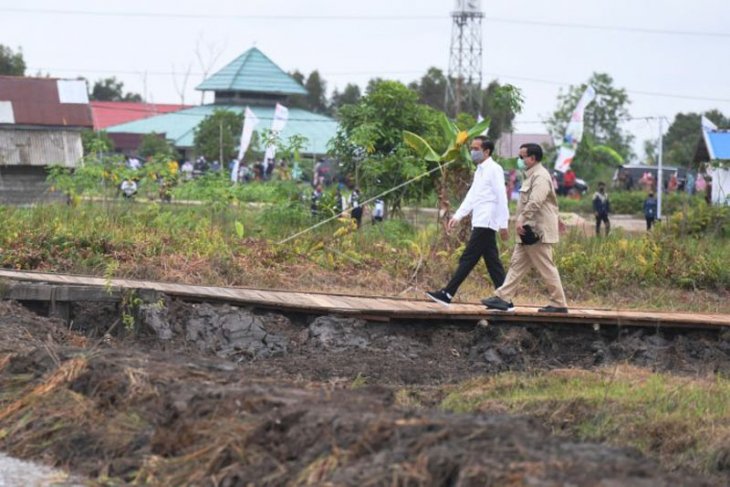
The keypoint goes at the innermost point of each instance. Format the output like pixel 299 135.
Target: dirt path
pixel 217 395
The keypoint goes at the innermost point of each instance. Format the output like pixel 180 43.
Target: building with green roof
pixel 252 80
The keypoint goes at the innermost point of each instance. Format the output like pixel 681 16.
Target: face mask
pixel 520 163
pixel 477 156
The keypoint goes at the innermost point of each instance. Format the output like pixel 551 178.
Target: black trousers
pixel 482 244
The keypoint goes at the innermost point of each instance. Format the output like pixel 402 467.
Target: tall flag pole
pixel 250 122
pixel 281 116
pixel 574 132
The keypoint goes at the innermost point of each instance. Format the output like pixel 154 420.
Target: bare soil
pixel 202 394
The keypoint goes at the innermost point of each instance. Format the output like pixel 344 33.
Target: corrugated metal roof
pixel 19 147
pixel 720 142
pixel 252 71
pixel 108 113
pixel 180 126
pixel 36 101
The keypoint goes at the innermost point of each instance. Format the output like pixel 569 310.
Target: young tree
pixel 219 134
pixel 155 145
pixel 602 124
pixel 11 63
pixel 112 89
pixel 370 140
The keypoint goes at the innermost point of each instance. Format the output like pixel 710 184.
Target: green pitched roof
pixel 179 127
pixel 252 71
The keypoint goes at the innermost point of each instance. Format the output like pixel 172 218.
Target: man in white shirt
pixel 486 201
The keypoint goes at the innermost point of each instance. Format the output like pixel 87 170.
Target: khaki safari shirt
pixel 538 205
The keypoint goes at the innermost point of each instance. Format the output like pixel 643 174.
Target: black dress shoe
pixel 498 303
pixel 552 309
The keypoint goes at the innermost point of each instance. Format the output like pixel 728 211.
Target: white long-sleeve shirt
pixel 487 198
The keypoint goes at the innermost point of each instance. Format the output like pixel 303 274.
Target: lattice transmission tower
pixel 465 59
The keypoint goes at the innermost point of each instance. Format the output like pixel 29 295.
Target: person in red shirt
pixel 568 182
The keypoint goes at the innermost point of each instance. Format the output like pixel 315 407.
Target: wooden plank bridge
pixel 61 288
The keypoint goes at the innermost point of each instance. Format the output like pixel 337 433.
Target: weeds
pixel 683 422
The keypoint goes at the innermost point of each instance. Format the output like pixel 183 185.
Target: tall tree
pixel 684 134
pixel 602 124
pixel 349 96
pixel 316 92
pixel 432 88
pixel 501 103
pixel 11 63
pixel 112 89
pixel 297 101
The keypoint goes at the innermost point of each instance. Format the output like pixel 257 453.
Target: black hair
pixel 533 150
pixel 485 143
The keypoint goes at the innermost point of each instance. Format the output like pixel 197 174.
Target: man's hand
pixel 453 222
pixel 504 234
pixel 518 227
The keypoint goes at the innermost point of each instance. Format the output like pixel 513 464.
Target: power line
pixel 374 73
pixel 171 15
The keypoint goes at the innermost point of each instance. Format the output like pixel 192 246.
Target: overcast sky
pixel 672 56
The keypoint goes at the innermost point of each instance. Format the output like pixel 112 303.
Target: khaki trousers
pixel 539 256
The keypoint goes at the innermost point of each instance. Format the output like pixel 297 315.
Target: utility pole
pixel 220 143
pixel 464 81
pixel 660 178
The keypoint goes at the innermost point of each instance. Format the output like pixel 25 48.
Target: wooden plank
pixel 373 307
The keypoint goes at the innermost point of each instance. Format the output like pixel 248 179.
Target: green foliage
pixel 96 142
pixel 657 259
pixel 684 134
pixel 11 63
pixel 153 144
pixel 239 229
pixel 349 96
pixel 370 143
pixel 112 89
pixel 501 103
pixel 699 220
pixel 432 88
pixel 218 135
pixel 652 412
pixel 602 124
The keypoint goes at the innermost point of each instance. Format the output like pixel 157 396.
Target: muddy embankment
pixel 201 394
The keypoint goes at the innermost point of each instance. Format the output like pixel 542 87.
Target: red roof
pixel 44 101
pixel 108 113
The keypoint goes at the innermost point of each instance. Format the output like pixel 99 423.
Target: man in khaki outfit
pixel 537 226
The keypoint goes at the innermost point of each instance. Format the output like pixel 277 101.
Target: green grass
pixel 684 422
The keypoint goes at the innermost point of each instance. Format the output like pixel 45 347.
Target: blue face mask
pixel 520 163
pixel 477 156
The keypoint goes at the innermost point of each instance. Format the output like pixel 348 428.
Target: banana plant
pixel 457 150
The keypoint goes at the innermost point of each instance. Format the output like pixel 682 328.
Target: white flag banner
pixel 708 125
pixel 281 116
pixel 480 119
pixel 574 132
pixel 250 121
